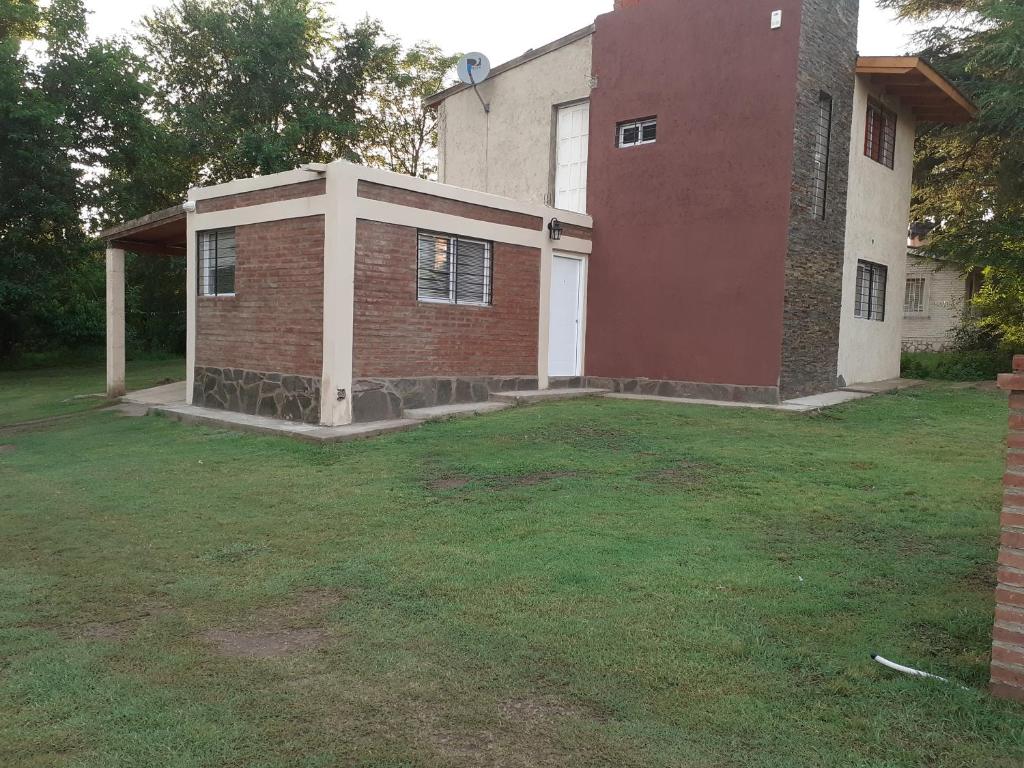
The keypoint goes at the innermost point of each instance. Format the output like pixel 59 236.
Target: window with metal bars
pixel 870 300
pixel 822 149
pixel 216 271
pixel 880 134
pixel 636 132
pixel 913 302
pixel 453 270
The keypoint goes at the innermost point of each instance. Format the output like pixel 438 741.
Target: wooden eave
pixel 163 233
pixel 931 97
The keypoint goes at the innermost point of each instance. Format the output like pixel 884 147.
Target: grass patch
pixel 36 394
pixel 581 583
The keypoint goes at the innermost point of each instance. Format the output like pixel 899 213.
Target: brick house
pixel 641 208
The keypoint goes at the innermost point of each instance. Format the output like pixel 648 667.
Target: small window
pixel 870 300
pixel 217 263
pixel 822 148
pixel 637 132
pixel 880 138
pixel 453 270
pixel 913 303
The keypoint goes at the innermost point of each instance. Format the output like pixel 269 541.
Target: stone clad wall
pixel 1008 633
pixel 814 263
pixel 384 399
pixel 279 396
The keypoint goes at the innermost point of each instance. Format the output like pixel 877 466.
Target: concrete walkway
pixel 169 400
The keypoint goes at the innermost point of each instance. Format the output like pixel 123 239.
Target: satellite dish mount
pixel 474 68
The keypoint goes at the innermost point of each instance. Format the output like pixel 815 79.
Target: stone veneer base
pixel 383 399
pixel 276 395
pixel 733 393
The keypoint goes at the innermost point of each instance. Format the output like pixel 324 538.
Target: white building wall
pixel 945 297
pixel 878 213
pixel 509 152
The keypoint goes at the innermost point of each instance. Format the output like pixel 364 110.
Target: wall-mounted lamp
pixel 555 229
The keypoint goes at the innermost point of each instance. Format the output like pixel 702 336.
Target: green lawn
pixel 592 583
pixel 44 393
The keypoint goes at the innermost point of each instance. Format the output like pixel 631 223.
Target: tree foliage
pixel 399 132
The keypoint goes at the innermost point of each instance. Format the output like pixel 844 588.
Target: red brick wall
pixel 312 188
pixel 371 191
pixel 1008 634
pixel 397 336
pixel 274 323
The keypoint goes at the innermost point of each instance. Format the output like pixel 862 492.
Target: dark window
pixel 217 263
pixel 822 148
pixel 637 132
pixel 870 301
pixel 880 134
pixel 453 270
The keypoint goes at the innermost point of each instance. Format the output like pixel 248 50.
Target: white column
pixel 191 283
pixel 115 322
pixel 339 294
pixel 547 252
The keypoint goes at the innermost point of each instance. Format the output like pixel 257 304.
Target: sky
pixel 500 30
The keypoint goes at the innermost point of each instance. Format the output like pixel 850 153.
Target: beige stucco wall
pixel 878 213
pixel 509 151
pixel 945 295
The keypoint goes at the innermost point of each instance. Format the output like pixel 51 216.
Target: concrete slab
pixel 526 397
pixel 884 387
pixel 827 400
pixel 261 425
pixel 698 401
pixel 458 411
pixel 168 394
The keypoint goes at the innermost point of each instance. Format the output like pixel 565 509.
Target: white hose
pixel 907 670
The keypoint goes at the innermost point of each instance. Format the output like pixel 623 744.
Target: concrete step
pixel 457 411
pixel 884 387
pixel 527 397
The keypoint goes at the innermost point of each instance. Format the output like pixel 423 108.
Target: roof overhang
pixel 913 81
pixel 163 233
pixel 534 53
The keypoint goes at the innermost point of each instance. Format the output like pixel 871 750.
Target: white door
pixel 566 317
pixel 571 151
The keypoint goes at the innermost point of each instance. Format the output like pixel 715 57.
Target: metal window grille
pixel 636 132
pixel 217 259
pixel 822 149
pixel 453 270
pixel 913 303
pixel 869 302
pixel 880 135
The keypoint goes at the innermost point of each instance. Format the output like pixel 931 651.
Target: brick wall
pixel 410 199
pixel 945 299
pixel 1008 633
pixel 312 188
pixel 397 336
pixel 814 262
pixel 274 323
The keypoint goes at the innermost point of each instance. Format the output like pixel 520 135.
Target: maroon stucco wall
pixel 690 236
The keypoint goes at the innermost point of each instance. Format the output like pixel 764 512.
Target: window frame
pixel 880 126
pixel 453 270
pixel 910 312
pixel 206 269
pixel 822 156
pixel 873 311
pixel 640 124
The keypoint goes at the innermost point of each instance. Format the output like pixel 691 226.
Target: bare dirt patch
pixel 283 630
pixel 685 474
pixel 265 645
pixel 6 450
pixel 116 632
pixel 535 478
pixel 536 711
pixel 449 483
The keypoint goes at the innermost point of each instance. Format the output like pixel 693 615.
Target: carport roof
pixel 163 233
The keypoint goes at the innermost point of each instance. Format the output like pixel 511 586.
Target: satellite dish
pixel 474 68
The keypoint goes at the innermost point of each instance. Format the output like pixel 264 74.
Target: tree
pixel 969 179
pixel 399 132
pixel 257 86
